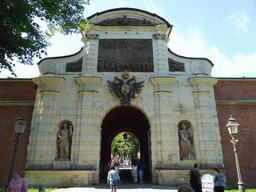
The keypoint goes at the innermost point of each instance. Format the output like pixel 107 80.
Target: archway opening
pixel 125 148
pixel 129 120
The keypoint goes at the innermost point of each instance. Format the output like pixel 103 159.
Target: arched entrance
pixel 125 119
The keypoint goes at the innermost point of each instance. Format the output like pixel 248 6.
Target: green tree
pixel 21 36
pixel 128 146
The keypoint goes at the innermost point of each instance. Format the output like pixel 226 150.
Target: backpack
pixel 193 177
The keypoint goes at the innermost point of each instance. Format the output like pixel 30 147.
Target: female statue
pixel 185 137
pixel 64 142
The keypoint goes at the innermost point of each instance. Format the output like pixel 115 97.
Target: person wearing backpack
pixel 195 179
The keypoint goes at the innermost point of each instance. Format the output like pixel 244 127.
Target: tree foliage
pixel 20 34
pixel 127 147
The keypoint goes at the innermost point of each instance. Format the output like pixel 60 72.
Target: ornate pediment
pixel 124 21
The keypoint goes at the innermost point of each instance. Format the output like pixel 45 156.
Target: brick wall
pixel 238 96
pixel 16 100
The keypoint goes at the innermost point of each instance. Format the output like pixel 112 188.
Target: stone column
pixel 91 44
pixel 42 140
pixel 207 138
pixel 163 144
pixel 88 133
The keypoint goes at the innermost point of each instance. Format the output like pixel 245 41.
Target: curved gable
pixel 129 13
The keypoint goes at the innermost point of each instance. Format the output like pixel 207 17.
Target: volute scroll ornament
pixel 125 91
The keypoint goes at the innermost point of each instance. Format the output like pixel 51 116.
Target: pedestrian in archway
pixel 141 166
pixel 134 171
pixel 113 179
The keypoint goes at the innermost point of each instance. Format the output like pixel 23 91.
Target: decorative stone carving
pixel 176 66
pixel 185 140
pixel 75 66
pixel 47 67
pixel 125 22
pixel 159 36
pixel 200 67
pixel 64 141
pixel 132 55
pixel 125 91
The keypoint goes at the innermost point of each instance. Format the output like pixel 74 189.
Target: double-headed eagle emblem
pixel 125 91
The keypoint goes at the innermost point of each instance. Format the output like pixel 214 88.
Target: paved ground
pixel 146 187
pixel 125 186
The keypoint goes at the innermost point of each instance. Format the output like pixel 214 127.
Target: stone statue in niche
pixel 185 140
pixel 64 141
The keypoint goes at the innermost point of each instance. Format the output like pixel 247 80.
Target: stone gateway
pixel 84 100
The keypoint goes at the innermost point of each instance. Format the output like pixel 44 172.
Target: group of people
pixel 113 178
pixel 196 183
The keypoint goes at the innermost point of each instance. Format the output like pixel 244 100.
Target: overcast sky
pixel 222 31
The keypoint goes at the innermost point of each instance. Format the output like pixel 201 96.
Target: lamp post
pixel 19 128
pixel 233 130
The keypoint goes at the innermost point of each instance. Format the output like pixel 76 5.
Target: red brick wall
pixel 12 90
pixel 245 115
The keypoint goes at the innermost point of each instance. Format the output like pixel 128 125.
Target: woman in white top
pixel 134 171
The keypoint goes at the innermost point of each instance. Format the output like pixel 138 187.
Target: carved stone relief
pixel 75 66
pixel 185 140
pixel 64 141
pixel 125 22
pixel 200 67
pixel 132 55
pixel 176 66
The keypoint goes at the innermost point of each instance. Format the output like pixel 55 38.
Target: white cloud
pixel 240 20
pixel 239 65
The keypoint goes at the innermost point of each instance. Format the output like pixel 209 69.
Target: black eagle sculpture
pixel 125 91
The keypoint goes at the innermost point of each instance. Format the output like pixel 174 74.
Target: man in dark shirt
pixel 195 179
pixel 141 166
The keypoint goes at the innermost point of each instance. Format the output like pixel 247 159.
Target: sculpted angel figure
pixel 64 142
pixel 185 141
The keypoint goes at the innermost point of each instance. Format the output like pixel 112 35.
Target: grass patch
pixel 37 189
pixel 236 190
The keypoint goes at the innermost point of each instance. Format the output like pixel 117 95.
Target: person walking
pixel 134 171
pixel 18 183
pixel 218 180
pixel 113 179
pixel 195 179
pixel 141 167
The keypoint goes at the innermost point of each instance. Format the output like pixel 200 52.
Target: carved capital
pixel 200 81
pixel 91 36
pixel 158 81
pixel 92 80
pixel 48 80
pixel 159 36
pixel 88 93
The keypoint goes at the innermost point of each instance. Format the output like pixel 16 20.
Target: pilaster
pixel 166 144
pixel 89 136
pixel 91 43
pixel 41 151
pixel 208 146
pixel 161 53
